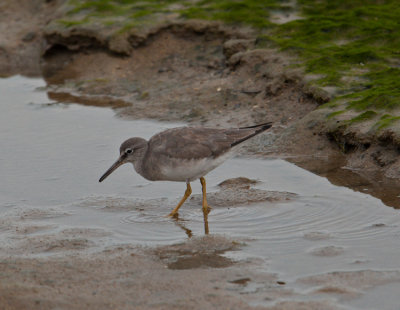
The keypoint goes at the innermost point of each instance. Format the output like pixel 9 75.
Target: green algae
pixel 367 115
pixel 382 90
pixel 118 7
pixel 386 121
pixel 353 46
pixel 123 14
pixel 334 114
pixel 251 12
pixel 340 36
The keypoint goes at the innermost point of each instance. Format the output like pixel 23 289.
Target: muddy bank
pixel 22 35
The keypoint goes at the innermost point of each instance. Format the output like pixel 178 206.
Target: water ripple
pixel 278 222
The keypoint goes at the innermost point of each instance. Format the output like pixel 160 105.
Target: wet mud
pixel 198 253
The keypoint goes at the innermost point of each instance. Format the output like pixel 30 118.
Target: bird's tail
pixel 258 129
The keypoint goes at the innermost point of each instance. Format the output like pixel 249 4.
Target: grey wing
pixel 193 142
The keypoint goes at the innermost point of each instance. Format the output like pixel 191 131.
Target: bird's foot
pixel 174 215
pixel 206 209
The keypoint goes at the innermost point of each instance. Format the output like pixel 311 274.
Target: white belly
pixel 182 170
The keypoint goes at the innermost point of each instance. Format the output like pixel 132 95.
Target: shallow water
pixel 51 158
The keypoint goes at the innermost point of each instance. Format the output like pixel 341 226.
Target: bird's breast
pixel 186 170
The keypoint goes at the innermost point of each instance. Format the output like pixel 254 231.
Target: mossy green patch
pixel 381 90
pixel 367 115
pixel 124 14
pixel 118 7
pixel 336 113
pixel 385 121
pixel 339 36
pixel 251 12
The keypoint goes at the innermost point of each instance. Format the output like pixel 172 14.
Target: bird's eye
pixel 128 151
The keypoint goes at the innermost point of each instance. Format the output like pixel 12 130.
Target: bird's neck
pixel 138 163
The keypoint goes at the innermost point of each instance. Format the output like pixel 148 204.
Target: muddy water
pixel 321 239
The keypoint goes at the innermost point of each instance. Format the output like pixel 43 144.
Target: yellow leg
pixel 205 215
pixel 188 191
pixel 206 207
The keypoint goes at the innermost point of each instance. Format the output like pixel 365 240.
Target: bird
pixel 183 154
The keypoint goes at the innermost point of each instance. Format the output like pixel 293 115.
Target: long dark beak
pixel 119 162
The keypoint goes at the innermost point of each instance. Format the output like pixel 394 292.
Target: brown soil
pixel 22 25
pixel 201 73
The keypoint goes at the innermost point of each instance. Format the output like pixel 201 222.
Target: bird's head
pixel 131 151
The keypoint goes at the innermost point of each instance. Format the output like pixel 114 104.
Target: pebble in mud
pixel 241 281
